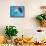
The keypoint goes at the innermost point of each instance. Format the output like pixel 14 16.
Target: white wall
pixel 25 25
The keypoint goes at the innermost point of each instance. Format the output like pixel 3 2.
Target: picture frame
pixel 17 11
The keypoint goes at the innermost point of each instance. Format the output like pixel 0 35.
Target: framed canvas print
pixel 17 11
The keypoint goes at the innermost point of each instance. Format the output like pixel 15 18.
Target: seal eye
pixel 20 9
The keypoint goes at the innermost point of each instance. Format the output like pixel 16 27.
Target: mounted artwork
pixel 17 11
pixel 42 17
